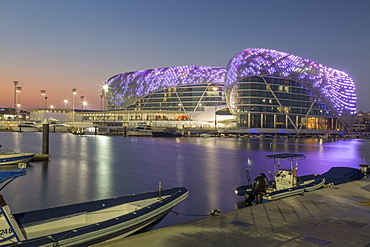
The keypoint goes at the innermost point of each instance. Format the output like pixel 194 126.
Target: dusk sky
pixel 61 45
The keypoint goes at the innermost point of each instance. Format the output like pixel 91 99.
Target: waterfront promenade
pixel 338 216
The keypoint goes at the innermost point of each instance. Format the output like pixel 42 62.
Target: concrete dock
pixel 337 216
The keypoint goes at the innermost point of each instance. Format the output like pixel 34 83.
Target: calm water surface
pixel 84 168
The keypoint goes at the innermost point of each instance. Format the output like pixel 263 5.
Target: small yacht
pixel 141 130
pixel 27 127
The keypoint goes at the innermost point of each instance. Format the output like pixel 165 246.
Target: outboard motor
pixel 260 185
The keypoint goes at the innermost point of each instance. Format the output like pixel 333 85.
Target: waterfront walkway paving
pixel 338 216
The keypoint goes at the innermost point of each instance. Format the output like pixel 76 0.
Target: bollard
pixel 45 136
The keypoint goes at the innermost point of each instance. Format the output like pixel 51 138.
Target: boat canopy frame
pixel 290 157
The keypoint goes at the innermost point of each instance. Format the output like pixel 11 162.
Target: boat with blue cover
pixel 87 223
pixel 284 182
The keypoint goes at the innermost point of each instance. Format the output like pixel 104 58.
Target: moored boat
pixel 8 157
pixel 284 181
pixel 88 223
pixel 141 130
pixel 27 127
pixel 167 132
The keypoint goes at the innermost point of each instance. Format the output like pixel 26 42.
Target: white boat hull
pixel 27 129
pixel 9 159
pixel 139 133
pixel 89 223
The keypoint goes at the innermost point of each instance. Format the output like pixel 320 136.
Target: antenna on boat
pixel 160 191
pixel 272 152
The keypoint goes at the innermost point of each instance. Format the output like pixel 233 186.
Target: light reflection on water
pixel 96 167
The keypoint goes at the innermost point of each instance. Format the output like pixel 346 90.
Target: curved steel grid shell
pixel 127 88
pixel 335 88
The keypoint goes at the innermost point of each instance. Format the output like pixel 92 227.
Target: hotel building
pixel 259 91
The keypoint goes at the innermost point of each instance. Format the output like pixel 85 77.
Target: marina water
pixel 85 168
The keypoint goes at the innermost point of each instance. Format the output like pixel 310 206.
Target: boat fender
pixel 215 212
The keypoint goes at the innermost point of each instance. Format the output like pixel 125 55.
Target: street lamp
pixel 74 92
pixel 19 89
pixel 105 90
pixel 84 104
pixel 215 89
pixel 82 100
pixel 101 102
pixel 43 92
pixel 18 106
pixel 51 106
pixel 15 93
pixel 65 103
pixel 46 102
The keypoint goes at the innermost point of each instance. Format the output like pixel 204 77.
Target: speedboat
pixel 8 157
pixel 27 127
pixel 87 223
pixel 284 181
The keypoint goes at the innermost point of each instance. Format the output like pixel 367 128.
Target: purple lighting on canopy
pixel 335 88
pixel 131 86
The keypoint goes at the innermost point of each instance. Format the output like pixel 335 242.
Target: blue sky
pixel 60 45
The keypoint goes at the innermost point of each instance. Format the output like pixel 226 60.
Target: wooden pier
pixel 337 216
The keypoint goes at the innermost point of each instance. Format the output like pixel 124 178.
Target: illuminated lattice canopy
pixel 125 89
pixel 333 87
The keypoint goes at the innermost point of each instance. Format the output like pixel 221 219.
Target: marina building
pixel 259 91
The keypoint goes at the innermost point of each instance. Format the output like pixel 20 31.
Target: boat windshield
pixel 6 151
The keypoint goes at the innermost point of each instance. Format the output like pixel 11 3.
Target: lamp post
pixel 74 92
pixel 19 89
pixel 15 94
pixel 82 101
pixel 101 102
pixel 46 102
pixel 215 89
pixel 65 103
pixel 43 92
pixel 105 90
pixel 18 106
pixel 84 104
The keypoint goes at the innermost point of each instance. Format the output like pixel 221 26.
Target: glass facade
pixel 262 89
pixel 187 98
pixel 268 102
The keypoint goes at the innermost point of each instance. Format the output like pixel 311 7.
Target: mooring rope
pixel 214 212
